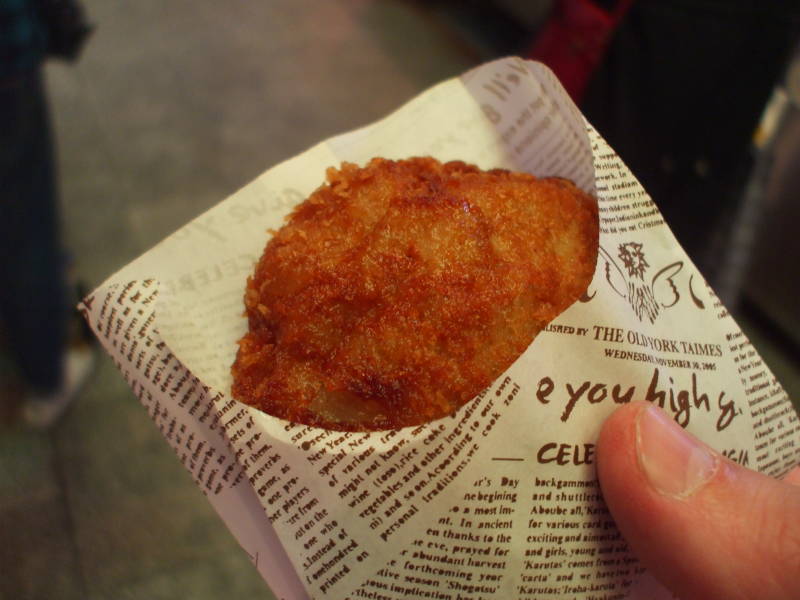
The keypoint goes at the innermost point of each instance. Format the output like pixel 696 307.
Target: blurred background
pixel 163 108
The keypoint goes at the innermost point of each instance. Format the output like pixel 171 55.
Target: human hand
pixel 704 526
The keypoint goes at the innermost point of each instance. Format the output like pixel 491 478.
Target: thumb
pixel 704 526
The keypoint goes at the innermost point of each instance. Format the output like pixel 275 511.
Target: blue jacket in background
pixel 23 38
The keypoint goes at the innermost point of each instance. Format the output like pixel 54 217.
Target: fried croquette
pixel 398 291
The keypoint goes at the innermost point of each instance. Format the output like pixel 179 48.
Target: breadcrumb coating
pixel 398 291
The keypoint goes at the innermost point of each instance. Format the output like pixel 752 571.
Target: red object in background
pixel 574 40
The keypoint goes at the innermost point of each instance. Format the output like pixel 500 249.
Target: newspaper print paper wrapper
pixel 501 500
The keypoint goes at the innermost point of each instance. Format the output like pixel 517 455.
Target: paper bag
pixel 500 500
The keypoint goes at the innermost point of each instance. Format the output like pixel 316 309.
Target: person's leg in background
pixel 33 301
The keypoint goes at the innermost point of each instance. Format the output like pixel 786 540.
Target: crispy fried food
pixel 398 291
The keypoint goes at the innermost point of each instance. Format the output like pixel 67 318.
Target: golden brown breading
pixel 398 291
